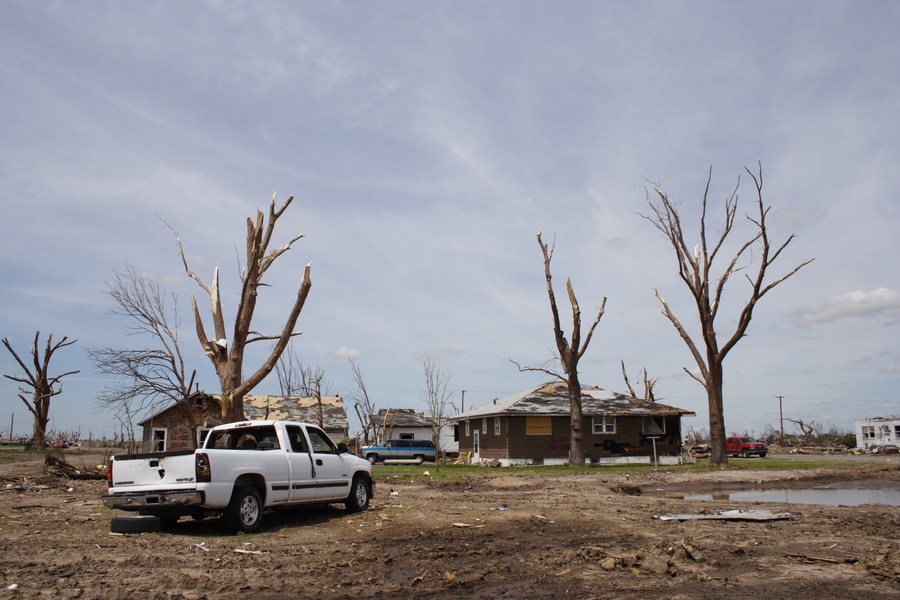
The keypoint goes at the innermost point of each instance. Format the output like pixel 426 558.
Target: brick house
pixel 533 428
pixel 170 428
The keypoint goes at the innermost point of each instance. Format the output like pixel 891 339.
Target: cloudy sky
pixel 426 144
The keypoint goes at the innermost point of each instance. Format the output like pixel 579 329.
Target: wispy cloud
pixel 857 304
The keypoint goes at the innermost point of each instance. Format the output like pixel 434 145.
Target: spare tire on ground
pixel 134 524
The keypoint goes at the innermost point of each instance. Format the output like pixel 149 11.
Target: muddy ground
pixel 496 536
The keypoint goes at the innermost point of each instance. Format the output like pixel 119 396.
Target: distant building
pixel 872 434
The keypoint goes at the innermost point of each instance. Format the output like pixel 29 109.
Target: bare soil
pixel 498 536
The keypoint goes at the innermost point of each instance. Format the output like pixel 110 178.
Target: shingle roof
pixel 293 408
pixel 553 399
pixel 402 417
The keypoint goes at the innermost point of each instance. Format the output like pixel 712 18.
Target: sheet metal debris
pixel 729 515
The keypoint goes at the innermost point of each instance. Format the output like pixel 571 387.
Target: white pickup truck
pixel 241 469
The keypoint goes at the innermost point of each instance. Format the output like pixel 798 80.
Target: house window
pixel 868 432
pixel 897 431
pixel 484 426
pixel 468 431
pixel 604 425
pixel 885 431
pixel 159 440
pixel 537 426
pixel 202 433
pixel 654 425
pixel 407 436
pixel 496 425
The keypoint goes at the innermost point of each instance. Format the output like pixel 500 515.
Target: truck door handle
pixel 319 461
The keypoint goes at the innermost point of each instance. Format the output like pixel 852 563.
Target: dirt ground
pixel 497 536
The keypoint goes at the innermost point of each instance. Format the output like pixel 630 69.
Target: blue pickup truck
pixel 417 450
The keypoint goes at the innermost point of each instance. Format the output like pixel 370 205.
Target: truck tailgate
pixel 153 471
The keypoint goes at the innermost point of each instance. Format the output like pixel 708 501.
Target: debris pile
pixel 56 464
pixel 666 558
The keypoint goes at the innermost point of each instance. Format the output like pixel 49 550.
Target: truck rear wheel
pixel 372 458
pixel 244 512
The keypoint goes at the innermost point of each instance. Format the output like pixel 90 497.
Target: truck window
pixel 321 443
pixel 298 442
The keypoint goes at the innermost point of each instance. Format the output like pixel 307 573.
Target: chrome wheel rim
pixel 361 493
pixel 249 510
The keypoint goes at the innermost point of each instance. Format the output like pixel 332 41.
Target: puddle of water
pixel 830 497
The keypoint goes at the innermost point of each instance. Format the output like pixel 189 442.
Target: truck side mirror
pixel 342 448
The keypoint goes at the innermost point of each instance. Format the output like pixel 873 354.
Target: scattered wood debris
pixel 56 464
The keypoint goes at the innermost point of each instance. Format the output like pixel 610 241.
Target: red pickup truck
pixel 744 446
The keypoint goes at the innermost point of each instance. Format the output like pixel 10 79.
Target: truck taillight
pixel 109 479
pixel 202 469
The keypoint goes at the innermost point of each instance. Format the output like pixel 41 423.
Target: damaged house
pixel 403 424
pixel 533 428
pixel 177 426
pixel 407 424
pixel 878 434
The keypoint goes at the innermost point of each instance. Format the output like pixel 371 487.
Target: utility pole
pixel 781 418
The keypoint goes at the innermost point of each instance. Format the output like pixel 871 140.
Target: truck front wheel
pixel 360 492
pixel 244 512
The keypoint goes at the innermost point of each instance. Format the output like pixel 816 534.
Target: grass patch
pixel 462 473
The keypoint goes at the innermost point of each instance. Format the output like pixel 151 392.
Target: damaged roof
pixel 402 417
pixel 279 408
pixel 552 399
pixel 294 408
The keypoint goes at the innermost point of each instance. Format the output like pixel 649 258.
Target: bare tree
pixel 287 370
pixel 694 437
pixel 155 376
pixel 38 383
pixel 807 429
pixel 298 379
pixel 313 382
pixel 649 384
pixel 228 355
pixel 695 269
pixel 569 353
pixel 126 421
pixel 437 399
pixel 371 428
